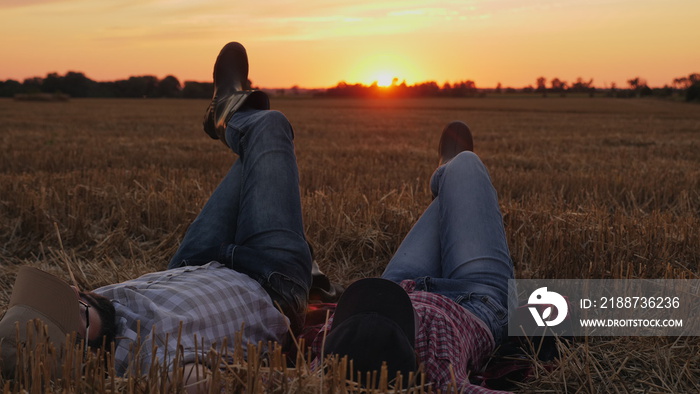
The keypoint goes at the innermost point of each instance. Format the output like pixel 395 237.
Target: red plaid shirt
pixel 451 342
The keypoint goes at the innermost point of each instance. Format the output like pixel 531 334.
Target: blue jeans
pixel 252 222
pixel 458 247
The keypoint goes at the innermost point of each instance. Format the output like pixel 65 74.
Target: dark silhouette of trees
pixel 343 89
pixel 541 84
pixel 76 84
pixel 463 89
pixel 688 86
pixel 52 83
pixel 692 91
pixel 581 86
pixel 10 88
pixel 169 87
pixel 639 87
pixel 681 83
pixel 203 90
pixel 424 89
pixel 143 86
pixel 635 83
pixel 558 86
pixel 32 85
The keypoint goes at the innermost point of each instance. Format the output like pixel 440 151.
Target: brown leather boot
pixel 456 137
pixel 232 91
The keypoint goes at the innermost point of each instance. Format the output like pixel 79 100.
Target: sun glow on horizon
pixel 384 80
pixel 383 69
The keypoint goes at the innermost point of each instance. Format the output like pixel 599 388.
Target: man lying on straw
pixel 442 301
pixel 243 256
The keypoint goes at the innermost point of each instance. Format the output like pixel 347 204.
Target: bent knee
pixel 467 157
pixel 276 121
pixel 467 161
pixel 273 116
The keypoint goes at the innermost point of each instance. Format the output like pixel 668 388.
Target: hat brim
pixel 49 296
pixel 37 295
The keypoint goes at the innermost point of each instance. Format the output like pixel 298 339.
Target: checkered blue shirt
pixel 211 302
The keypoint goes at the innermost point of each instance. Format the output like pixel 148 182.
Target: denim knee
pixel 246 124
pixel 462 165
pixel 273 120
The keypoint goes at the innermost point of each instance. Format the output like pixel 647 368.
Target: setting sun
pixel 383 68
pixel 384 80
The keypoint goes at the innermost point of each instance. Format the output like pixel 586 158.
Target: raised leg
pixel 458 247
pixel 253 222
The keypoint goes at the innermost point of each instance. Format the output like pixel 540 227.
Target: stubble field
pixel 589 188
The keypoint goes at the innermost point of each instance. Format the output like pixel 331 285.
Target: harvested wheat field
pixel 589 188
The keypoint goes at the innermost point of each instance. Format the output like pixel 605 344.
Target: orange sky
pixel 317 43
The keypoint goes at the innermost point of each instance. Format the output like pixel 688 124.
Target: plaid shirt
pixel 211 301
pixel 450 341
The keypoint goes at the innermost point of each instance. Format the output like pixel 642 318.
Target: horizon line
pixel 606 85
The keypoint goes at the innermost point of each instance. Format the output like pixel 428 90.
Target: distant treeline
pixel 423 89
pixel 688 86
pixel 76 84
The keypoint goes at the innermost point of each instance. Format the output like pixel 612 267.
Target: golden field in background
pixel 589 188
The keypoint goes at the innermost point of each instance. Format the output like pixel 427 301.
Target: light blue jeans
pixel 458 247
pixel 252 222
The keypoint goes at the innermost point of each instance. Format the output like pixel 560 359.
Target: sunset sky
pixel 318 43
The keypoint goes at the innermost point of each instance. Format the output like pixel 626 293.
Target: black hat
pixel 374 323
